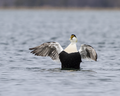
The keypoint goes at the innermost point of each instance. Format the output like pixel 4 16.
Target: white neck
pixel 71 48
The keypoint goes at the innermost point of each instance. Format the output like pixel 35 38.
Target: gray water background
pixel 23 74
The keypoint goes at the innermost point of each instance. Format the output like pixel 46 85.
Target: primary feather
pixel 87 51
pixel 51 49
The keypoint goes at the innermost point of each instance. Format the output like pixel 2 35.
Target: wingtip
pixel 95 58
pixel 31 48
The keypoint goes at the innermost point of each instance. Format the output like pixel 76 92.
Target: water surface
pixel 23 74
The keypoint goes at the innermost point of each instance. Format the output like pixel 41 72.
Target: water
pixel 23 74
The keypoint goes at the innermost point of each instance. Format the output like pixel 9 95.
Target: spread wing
pixel 87 51
pixel 51 49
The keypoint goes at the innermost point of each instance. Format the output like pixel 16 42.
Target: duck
pixel 70 57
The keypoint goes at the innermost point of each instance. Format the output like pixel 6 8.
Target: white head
pixel 73 38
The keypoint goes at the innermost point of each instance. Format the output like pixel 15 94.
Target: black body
pixel 70 60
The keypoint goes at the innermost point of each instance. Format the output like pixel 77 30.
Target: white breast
pixel 71 48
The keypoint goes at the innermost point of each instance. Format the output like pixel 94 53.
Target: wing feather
pixel 51 49
pixel 87 51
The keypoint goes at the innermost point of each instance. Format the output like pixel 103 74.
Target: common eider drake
pixel 69 57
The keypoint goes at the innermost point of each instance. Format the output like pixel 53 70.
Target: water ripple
pixel 23 74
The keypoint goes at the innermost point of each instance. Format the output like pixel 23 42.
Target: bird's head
pixel 73 38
